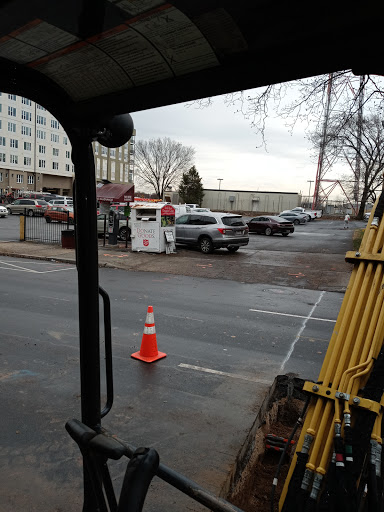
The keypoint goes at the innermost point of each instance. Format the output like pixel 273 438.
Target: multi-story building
pixel 35 152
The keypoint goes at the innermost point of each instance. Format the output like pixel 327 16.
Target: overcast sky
pixel 225 146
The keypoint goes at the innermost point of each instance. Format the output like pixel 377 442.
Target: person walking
pixel 346 221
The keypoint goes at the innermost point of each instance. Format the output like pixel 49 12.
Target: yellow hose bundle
pixel 338 396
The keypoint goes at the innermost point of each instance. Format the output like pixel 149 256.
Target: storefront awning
pixel 115 193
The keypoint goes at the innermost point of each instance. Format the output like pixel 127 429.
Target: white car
pixel 3 211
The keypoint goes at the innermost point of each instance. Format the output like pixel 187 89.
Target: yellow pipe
pixel 316 445
pixel 326 453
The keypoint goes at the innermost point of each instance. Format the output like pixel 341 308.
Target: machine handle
pixel 108 351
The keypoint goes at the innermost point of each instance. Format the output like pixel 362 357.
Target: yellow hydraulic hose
pixel 356 342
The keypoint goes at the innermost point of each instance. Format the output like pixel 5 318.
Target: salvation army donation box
pixel 153 227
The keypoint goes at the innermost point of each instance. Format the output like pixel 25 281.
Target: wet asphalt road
pixel 225 342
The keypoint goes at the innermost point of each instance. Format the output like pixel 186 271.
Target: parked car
pixel 3 211
pixel 295 218
pixel 314 214
pixel 59 214
pixel 62 201
pixel 32 206
pixel 212 230
pixel 269 225
pixel 181 209
pixel 123 234
pixel 306 215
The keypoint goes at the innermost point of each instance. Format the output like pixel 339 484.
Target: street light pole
pixel 309 193
pixel 218 197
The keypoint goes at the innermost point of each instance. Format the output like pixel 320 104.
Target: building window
pixel 55 166
pixel 113 171
pixel 42 164
pixel 12 111
pixel 103 150
pixel 55 137
pixel 12 97
pixel 27 160
pixel 112 152
pixel 98 167
pixel 41 149
pixel 13 143
pixel 2 157
pixel 26 130
pixel 40 134
pixel 0 121
pixel 19 178
pixel 41 120
pixel 67 167
pixel 26 115
pixel 31 179
pixel 2 141
pixel 13 159
pixel 26 101
pixel 105 163
pixel 96 147
pixel 65 140
pixel 1 175
pixel 55 152
pixel 67 154
pixel 11 127
pixel 55 124
pixel 0 107
pixel 40 107
pixel 27 146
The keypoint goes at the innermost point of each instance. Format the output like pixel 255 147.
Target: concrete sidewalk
pixel 325 272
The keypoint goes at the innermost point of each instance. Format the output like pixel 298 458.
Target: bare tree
pixel 349 140
pixel 160 163
pixel 303 101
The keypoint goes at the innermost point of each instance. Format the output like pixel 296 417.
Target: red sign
pixel 167 210
pixel 145 243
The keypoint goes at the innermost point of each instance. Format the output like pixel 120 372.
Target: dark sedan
pixel 269 225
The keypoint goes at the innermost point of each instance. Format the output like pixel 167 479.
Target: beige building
pixel 250 200
pixel 35 152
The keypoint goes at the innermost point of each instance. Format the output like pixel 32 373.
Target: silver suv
pixel 212 230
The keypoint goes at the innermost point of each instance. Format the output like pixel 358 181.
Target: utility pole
pixel 319 174
pixel 218 197
pixel 309 193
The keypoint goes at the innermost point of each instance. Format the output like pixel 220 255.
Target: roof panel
pixel 114 56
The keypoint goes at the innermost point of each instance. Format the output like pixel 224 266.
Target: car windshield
pixel 42 203
pixel 233 221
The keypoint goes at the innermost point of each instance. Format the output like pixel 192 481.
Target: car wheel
pixel 268 231
pixel 296 222
pixel 206 245
pixel 48 219
pixel 123 234
pixel 30 213
pixel 285 234
pixel 309 218
pixel 233 249
pixel 9 211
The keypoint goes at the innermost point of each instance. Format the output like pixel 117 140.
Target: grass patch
pixel 357 238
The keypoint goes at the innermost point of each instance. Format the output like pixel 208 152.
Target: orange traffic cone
pixel 148 350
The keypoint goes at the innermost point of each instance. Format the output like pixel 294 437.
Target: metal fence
pixel 38 229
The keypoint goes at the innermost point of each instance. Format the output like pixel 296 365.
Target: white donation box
pixel 153 227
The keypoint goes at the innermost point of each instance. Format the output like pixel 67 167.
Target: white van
pixel 61 201
pixel 181 209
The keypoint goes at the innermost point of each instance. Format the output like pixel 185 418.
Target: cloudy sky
pixel 226 147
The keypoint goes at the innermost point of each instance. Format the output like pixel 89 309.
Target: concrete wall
pixel 249 200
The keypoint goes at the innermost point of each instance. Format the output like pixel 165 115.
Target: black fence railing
pixel 47 229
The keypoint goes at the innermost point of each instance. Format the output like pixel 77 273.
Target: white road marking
pixel 54 298
pixel 185 318
pixel 224 374
pixel 19 268
pixel 300 331
pixel 294 316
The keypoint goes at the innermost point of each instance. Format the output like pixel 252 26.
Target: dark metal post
pixel 88 291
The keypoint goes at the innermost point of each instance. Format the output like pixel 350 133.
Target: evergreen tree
pixel 191 188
